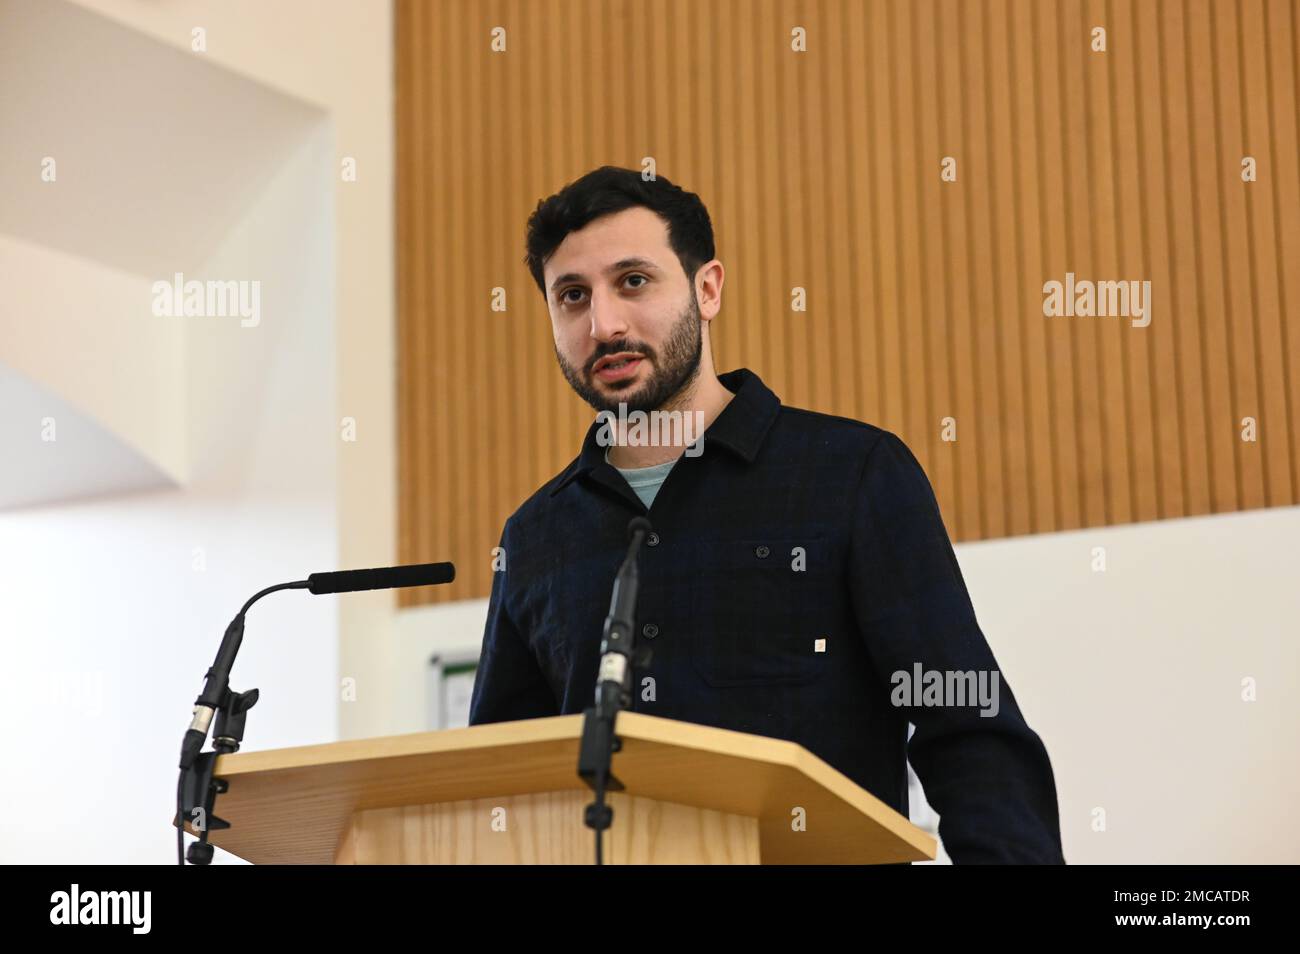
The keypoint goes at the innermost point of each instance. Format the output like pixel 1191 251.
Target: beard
pixel 673 368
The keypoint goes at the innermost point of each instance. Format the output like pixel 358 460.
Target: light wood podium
pixel 509 793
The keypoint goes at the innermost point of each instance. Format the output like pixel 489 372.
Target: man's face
pixel 625 317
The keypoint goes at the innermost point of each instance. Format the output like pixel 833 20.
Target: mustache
pixel 617 347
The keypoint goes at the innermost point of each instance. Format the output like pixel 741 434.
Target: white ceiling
pixel 158 151
pixel 161 156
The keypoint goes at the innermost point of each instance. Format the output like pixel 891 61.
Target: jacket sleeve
pixel 508 683
pixel 983 769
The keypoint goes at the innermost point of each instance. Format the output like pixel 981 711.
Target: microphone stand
pixel 197 789
pixel 613 688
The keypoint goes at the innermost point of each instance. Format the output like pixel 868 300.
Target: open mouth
pixel 616 367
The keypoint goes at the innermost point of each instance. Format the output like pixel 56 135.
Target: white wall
pixel 1133 677
pixel 114 606
pixel 338 56
pixel 69 337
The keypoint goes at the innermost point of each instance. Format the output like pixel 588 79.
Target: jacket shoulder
pixel 830 430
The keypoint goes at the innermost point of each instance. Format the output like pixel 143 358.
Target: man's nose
pixel 608 320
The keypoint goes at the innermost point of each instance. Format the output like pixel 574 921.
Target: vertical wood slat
pixel 1052 109
pixel 1177 175
pixel 1012 375
pixel 1279 42
pixel 984 318
pixel 1027 209
pixel 1071 35
pixel 1240 309
pixel 841 137
pixel 964 512
pixel 1130 228
pixel 1264 280
pixel 936 332
pixel 910 164
pixel 821 169
pixel 1157 260
pixel 1105 254
pixel 1217 344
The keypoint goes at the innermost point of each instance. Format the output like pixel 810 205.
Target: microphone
pixel 613 688
pixel 223 710
pixel 382 578
pixel 216 688
pixel 614 678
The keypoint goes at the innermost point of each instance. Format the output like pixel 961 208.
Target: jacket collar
pixel 740 428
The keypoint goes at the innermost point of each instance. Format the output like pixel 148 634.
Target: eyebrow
pixel 616 267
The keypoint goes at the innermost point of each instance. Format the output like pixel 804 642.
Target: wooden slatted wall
pixel 822 169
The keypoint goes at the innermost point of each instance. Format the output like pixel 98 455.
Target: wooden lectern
pixel 509 793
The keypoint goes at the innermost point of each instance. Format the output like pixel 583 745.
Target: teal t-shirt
pixel 644 481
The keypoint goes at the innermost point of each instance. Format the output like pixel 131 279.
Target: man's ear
pixel 708 288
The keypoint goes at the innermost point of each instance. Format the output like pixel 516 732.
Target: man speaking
pixel 799 582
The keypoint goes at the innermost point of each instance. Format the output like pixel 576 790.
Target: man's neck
pixel 699 406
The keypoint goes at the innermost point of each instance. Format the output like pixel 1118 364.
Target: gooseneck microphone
pixel 614 678
pixel 385 578
pixel 216 687
pixel 613 686
pixel 225 711
pixel 320 584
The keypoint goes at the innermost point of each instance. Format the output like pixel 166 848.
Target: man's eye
pixel 566 300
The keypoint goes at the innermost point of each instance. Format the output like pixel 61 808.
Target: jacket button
pixel 761 552
pixel 649 630
pixel 652 540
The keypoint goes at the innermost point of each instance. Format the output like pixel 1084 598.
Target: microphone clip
pixel 200 787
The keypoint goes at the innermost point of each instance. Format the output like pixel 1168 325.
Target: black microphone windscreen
pixel 381 578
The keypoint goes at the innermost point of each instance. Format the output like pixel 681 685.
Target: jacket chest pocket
pixel 761 608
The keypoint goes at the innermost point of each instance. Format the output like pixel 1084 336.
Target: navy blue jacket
pixel 798 582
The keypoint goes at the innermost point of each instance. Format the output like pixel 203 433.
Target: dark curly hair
pixel 610 189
